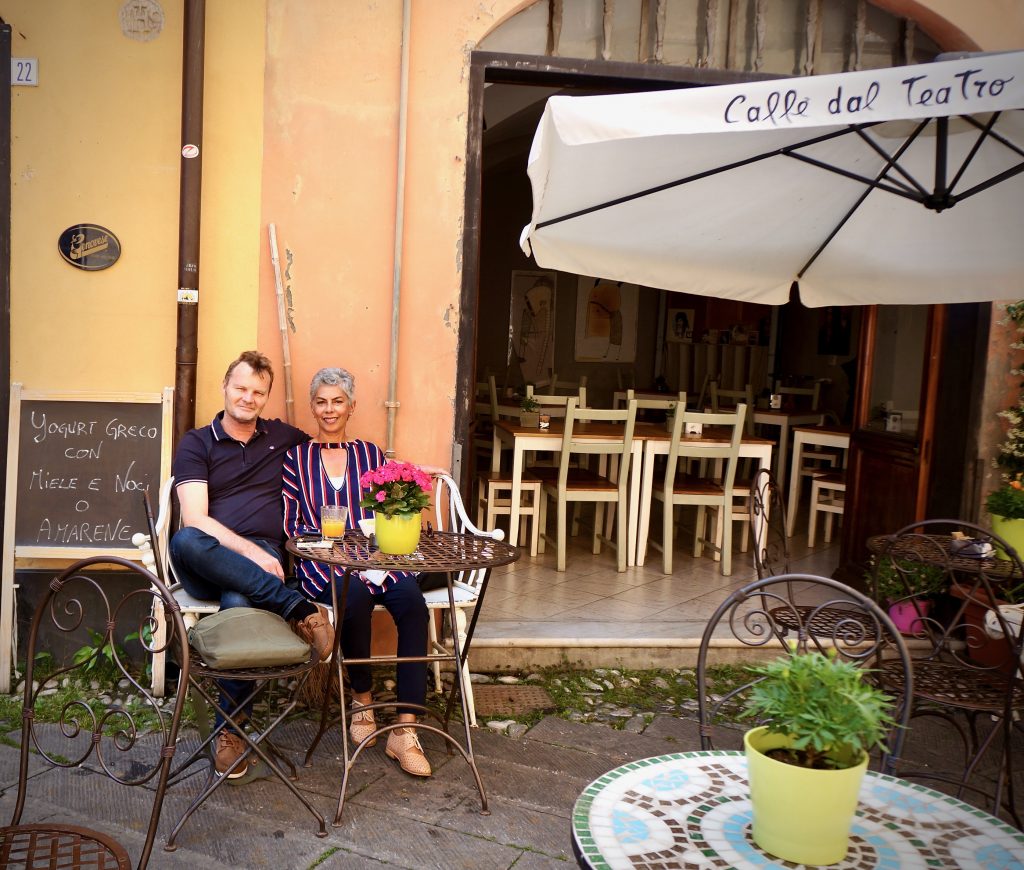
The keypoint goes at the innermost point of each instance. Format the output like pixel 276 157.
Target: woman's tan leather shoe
pixel 404 747
pixel 362 725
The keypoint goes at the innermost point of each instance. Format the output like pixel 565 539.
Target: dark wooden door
pixel 890 459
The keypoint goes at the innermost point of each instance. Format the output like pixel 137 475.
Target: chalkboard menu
pixel 82 469
pixel 77 465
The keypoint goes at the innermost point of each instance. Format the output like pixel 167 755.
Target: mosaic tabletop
pixel 692 810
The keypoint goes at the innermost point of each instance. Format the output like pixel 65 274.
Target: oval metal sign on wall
pixel 89 246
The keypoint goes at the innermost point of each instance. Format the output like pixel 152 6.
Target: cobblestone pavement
pixel 392 819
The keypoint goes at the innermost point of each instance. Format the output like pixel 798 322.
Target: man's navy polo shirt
pixel 243 480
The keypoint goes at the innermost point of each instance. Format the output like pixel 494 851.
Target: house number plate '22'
pixel 24 71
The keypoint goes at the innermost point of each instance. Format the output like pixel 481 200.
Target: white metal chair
pixel 568 483
pixel 192 609
pixel 450 514
pixel 702 492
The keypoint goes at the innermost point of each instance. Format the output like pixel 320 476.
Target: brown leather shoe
pixel 404 747
pixel 317 631
pixel 362 725
pixel 229 747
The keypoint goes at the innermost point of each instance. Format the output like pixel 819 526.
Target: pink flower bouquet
pixel 397 488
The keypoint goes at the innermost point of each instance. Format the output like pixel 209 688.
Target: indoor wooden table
pixel 808 436
pixel 692 810
pixel 441 552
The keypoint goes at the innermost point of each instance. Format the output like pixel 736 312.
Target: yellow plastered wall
pixel 301 128
pixel 98 141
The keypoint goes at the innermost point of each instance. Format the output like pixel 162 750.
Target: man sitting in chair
pixel 228 480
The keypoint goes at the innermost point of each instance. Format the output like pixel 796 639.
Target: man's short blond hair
pixel 258 362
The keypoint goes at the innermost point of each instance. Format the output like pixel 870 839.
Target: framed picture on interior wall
pixel 606 316
pixel 680 324
pixel 834 331
pixel 531 333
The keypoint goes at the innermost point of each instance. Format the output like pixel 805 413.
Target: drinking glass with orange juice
pixel 332 521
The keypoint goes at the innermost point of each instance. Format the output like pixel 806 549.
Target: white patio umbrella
pixel 900 185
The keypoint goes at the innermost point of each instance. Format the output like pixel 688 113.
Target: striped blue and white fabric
pixel 306 486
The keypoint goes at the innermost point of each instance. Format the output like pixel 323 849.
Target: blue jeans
pixel 210 571
pixel 404 601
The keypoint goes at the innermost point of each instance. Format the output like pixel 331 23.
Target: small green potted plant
pixel 529 412
pixel 906 588
pixel 807 761
pixel 1006 505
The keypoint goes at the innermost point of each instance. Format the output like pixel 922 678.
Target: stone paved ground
pixel 390 819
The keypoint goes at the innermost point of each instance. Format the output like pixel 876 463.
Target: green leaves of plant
pixel 824 704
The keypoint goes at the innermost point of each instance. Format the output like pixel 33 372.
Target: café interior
pixel 553 333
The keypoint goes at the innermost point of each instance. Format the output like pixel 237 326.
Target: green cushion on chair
pixel 245 637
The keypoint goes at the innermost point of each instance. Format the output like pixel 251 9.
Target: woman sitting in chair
pixel 327 470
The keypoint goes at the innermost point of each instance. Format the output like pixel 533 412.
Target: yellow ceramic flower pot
pixel 799 815
pixel 1011 531
pixel 398 535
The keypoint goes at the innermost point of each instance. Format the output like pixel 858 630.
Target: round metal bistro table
pixel 692 810
pixel 449 553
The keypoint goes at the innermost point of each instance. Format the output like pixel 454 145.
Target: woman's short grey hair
pixel 333 377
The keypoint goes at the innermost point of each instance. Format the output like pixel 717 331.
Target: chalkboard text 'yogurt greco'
pixel 61 429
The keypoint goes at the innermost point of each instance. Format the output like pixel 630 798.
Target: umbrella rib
pixel 994 134
pixel 974 151
pixel 891 161
pixel 991 182
pixel 892 187
pixel 642 193
pixel 867 190
pixel 698 176
pixel 878 149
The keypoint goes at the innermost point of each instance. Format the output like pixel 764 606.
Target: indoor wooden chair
pixel 811 393
pixel 965 676
pixel 702 492
pixel 494 499
pixel 114 728
pixel 828 497
pixel 484 418
pixel 555 400
pixel 571 484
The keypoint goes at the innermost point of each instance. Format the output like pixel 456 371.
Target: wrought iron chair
pixel 762 614
pixel 771 557
pixel 255 734
pixel 768 522
pixel 121 733
pixel 963 672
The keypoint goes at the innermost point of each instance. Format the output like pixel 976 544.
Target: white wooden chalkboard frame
pixel 15 555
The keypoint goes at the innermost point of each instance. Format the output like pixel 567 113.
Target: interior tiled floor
pixel 591 600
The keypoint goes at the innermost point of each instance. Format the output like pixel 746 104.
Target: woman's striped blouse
pixel 306 486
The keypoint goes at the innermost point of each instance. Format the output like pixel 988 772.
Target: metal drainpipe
pixel 396 284
pixel 187 350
